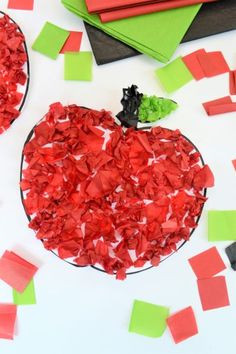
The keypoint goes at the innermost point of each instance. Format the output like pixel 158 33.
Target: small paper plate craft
pixel 120 200
pixel 14 71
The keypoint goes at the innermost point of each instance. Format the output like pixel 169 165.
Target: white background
pixel 83 310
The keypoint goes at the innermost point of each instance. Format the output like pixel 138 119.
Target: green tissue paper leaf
pixel 153 108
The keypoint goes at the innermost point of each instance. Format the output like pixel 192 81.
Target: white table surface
pixel 83 310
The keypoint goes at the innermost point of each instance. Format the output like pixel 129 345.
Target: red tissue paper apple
pixel 114 198
pixel 14 71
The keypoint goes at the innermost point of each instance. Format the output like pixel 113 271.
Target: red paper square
pixel 192 63
pixel 213 292
pixel 213 63
pixel 73 42
pixel 7 320
pixel 16 271
pixel 207 263
pixel 182 325
pixel 234 164
pixel 232 82
pixel 218 102
pixel 21 4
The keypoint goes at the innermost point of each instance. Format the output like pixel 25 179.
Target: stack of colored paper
pixel 117 9
pixel 157 34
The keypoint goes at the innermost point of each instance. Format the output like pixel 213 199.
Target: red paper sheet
pixel 234 164
pixel 218 102
pixel 192 63
pixel 118 14
pixel 213 63
pixel 7 320
pixel 21 4
pixel 232 82
pixel 220 109
pixel 73 42
pixel 207 263
pixel 104 5
pixel 16 271
pixel 182 325
pixel 213 293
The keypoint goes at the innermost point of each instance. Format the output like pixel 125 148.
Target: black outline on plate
pixel 93 266
pixel 27 65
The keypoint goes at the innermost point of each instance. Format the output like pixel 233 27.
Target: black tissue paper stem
pixel 130 101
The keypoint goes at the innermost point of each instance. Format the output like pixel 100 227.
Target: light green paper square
pixel 148 319
pixel 50 40
pixel 221 225
pixel 78 66
pixel 27 297
pixel 174 75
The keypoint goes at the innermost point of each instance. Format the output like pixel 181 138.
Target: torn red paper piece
pixel 218 102
pixel 192 63
pixel 234 164
pixel 213 293
pixel 73 42
pixel 212 63
pixel 182 325
pixel 7 320
pixel 232 82
pixel 98 195
pixel 207 263
pixel 21 4
pixel 16 271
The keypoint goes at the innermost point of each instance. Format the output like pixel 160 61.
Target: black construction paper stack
pixel 213 18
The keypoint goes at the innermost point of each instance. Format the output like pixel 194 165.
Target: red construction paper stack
pixel 111 10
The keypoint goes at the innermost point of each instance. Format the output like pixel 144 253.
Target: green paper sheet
pixel 157 34
pixel 50 40
pixel 78 66
pixel 221 225
pixel 174 75
pixel 148 319
pixel 27 297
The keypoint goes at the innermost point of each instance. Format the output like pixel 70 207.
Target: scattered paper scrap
pixel 7 320
pixel 207 263
pixel 234 164
pixel 212 63
pixel 21 4
pixel 73 42
pixel 148 319
pixel 213 292
pixel 219 106
pixel 27 297
pixel 78 66
pixel 50 40
pixel 174 75
pixel 192 63
pixel 182 325
pixel 232 82
pixel 221 225
pixel 231 253
pixel 16 271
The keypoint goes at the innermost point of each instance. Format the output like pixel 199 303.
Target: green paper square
pixel 25 298
pixel 78 66
pixel 221 225
pixel 148 319
pixel 174 75
pixel 50 40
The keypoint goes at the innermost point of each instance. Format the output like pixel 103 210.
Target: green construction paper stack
pixel 148 319
pixel 221 225
pixel 157 34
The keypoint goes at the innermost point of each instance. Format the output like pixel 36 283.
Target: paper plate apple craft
pixel 117 199
pixel 14 71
